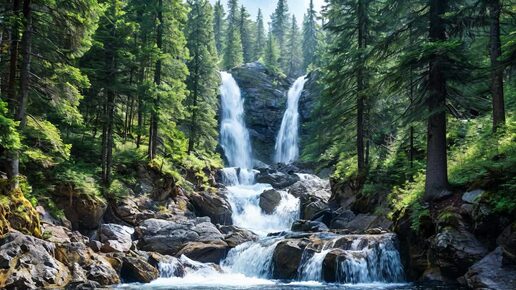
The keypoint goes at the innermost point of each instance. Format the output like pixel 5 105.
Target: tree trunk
pixel 109 106
pixel 361 86
pixel 13 61
pixel 153 146
pixel 25 66
pixel 495 51
pixel 436 164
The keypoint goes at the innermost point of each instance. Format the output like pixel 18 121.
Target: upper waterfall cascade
pixel 234 136
pixel 287 143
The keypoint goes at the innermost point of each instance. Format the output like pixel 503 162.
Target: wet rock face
pixel 269 200
pixel 286 258
pixel 265 95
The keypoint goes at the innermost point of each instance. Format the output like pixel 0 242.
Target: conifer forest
pixel 245 144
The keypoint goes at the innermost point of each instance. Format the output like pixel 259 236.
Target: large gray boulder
pixel 213 205
pixel 490 273
pixel 170 237
pixel 115 238
pixel 235 236
pixel 454 250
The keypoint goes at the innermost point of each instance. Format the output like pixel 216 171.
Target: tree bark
pixel 361 86
pixel 436 184
pixel 495 51
pixel 109 105
pixel 26 45
pixel 153 144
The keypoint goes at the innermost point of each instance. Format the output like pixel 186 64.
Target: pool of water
pixel 262 284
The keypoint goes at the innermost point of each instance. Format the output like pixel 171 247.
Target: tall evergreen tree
pixel 309 36
pixel 246 35
pixel 39 76
pixel 272 52
pixel 202 81
pixel 219 26
pixel 260 40
pixel 280 27
pixel 233 52
pixel 294 50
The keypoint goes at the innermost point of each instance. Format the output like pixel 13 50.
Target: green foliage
pixel 233 52
pixel 9 137
pixel 79 177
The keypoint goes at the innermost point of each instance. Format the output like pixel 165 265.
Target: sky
pixel 297 7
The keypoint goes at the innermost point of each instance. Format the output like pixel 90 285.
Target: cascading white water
pixel 250 265
pixel 371 260
pixel 287 147
pixel 234 136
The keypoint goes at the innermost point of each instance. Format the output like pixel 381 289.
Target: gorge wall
pixel 265 94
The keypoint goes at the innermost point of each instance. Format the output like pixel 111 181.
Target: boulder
pixel 309 226
pixel 361 223
pixel 311 185
pixel 489 273
pixel 133 210
pixel 454 250
pixel 137 270
pixel 311 207
pixel 115 238
pixel 169 237
pixel 269 200
pixel 93 266
pixel 84 211
pixel 342 219
pixel 29 263
pixel 330 262
pixel 213 205
pixel 235 236
pixel 207 252
pixel 277 179
pixel 507 243
pixel 472 196
pixel 286 258
pixel 55 234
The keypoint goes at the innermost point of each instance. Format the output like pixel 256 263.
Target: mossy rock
pixel 17 212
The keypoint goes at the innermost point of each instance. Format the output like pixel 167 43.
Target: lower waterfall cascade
pixel 359 259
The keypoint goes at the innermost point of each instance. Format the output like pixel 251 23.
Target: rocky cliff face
pixel 265 93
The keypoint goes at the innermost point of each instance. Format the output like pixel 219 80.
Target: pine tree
pixel 39 65
pixel 294 50
pixel 272 53
pixel 233 53
pixel 219 26
pixel 202 82
pixel 280 26
pixel 260 41
pixel 246 35
pixel 309 36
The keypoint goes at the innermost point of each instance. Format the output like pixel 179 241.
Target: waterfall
pixel 287 147
pixel 234 136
